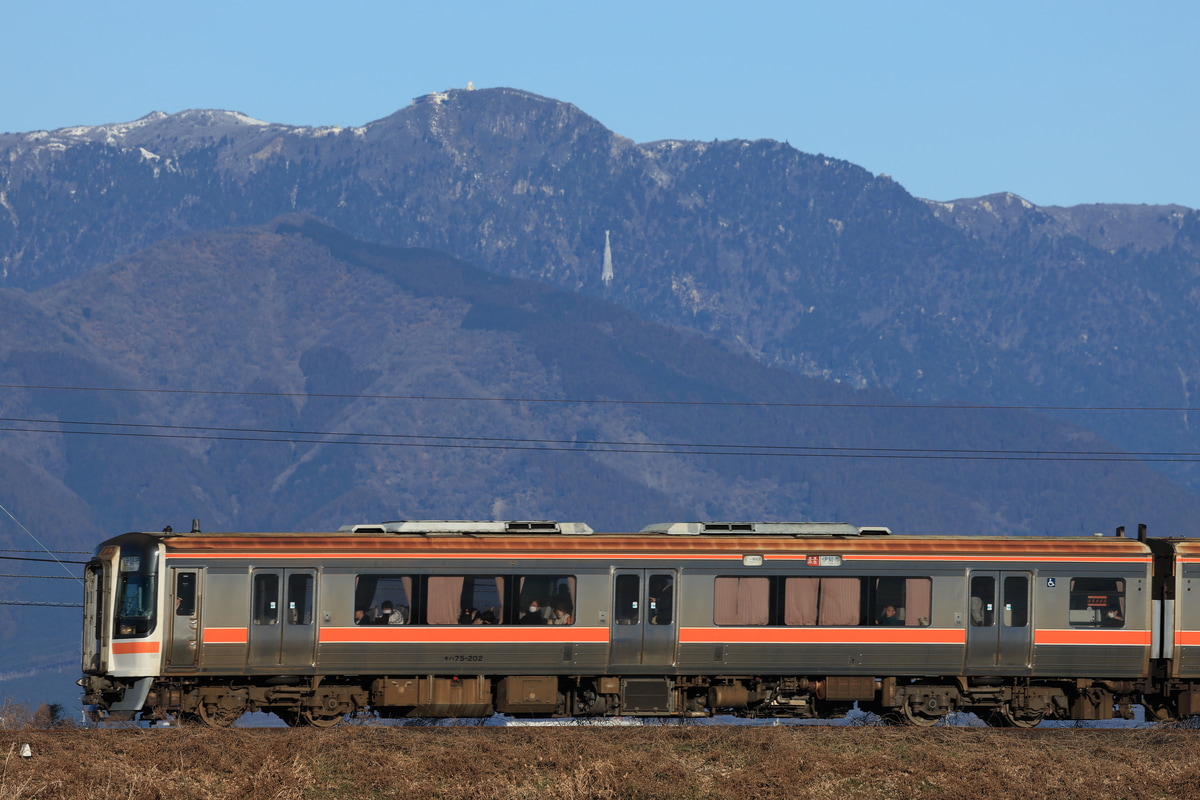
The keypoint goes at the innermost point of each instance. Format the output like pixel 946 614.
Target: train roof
pixel 550 527
pixel 684 539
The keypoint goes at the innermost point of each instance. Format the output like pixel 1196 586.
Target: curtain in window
pixel 500 593
pixel 840 601
pixel 725 601
pixel 444 600
pixel 742 601
pixel 800 601
pixel 918 605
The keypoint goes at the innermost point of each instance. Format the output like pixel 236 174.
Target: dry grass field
pixel 657 763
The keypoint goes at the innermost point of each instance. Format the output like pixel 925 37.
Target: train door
pixel 643 623
pixel 97 606
pixel 183 617
pixel 999 633
pixel 283 628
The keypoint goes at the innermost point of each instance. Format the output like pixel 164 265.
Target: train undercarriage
pixel 323 701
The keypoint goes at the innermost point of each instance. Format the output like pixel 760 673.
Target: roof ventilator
pixel 763 529
pixel 439 527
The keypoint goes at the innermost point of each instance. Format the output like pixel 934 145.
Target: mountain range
pixel 799 260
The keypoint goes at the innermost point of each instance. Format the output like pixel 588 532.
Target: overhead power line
pixel 140 430
pixel 53 558
pixel 597 401
pixel 42 560
pixel 43 577
pixel 55 552
pixel 33 603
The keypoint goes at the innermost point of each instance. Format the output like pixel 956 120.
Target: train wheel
pixel 309 718
pixel 1159 708
pixel 1007 717
pixel 918 717
pixel 318 720
pixel 214 716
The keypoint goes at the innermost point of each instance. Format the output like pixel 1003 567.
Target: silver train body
pixel 468 619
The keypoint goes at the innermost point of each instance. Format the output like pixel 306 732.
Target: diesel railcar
pixel 467 619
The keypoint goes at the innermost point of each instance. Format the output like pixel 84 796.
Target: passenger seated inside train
pixel 890 615
pixel 534 615
pixel 563 600
pixel 560 616
pixel 391 615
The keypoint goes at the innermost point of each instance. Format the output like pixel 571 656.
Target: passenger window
pixel 1016 601
pixel 823 601
pixel 464 599
pixel 983 601
pixel 550 598
pixel 742 601
pixel 266 599
pixel 627 590
pixel 300 599
pixel 903 602
pixel 1097 603
pixel 448 597
pixel 801 599
pixel 840 601
pixel 185 594
pixel 384 600
pixel 661 600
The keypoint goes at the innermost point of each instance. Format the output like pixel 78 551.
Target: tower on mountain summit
pixel 607 274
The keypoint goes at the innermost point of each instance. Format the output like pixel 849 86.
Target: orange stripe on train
pixel 883 635
pixel 134 648
pixel 1092 636
pixel 225 636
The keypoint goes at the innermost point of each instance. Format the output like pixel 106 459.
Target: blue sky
pixel 1059 102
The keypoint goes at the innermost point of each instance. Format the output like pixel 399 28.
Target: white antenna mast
pixel 607 275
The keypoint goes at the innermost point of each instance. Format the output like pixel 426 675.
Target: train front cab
pixel 122 634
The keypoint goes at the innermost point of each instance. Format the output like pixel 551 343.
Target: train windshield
pixel 135 605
